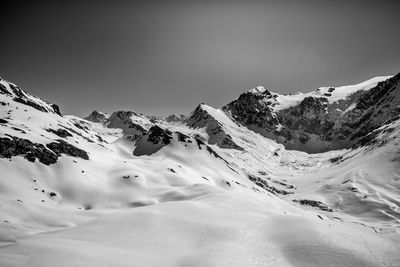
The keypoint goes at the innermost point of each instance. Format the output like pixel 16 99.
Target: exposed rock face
pixel 123 120
pixel 314 124
pixel 15 146
pixel 47 155
pixel 175 118
pixel 201 118
pixel 310 116
pixel 305 125
pixel 56 109
pixel 254 108
pixel 60 132
pixel 314 203
pixel 377 107
pixel 265 185
pixel 96 116
pixel 157 135
pixel 155 139
pixel 3 90
pixel 62 147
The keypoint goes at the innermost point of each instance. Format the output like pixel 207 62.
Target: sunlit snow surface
pixel 183 206
pixel 333 94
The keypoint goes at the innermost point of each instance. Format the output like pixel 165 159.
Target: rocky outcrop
pixel 267 186
pixel 157 135
pixel 30 103
pixel 62 147
pixel 14 146
pixel 374 109
pixel 123 120
pixel 175 118
pixel 60 132
pixel 56 109
pixel 314 203
pixel 305 126
pixel 155 139
pixel 201 118
pixel 254 108
pixel 310 116
pixel 3 90
pixel 97 117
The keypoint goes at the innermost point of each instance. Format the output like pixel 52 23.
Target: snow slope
pixel 334 94
pixel 201 191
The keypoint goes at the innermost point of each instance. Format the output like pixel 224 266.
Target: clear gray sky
pixel 162 57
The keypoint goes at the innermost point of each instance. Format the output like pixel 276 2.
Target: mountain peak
pixel 259 90
pixel 97 116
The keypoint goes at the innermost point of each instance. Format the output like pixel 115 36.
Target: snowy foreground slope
pixel 214 188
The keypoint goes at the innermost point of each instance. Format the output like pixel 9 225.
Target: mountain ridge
pixel 322 120
pixel 204 188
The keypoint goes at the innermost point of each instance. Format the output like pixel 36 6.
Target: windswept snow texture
pixel 204 189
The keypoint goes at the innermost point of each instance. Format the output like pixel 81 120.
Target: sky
pixel 164 57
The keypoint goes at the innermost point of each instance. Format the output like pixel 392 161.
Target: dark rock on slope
pixel 155 139
pixel 60 132
pixel 157 135
pixel 62 147
pixel 175 118
pixel 314 203
pixel 123 120
pixel 254 109
pixel 201 118
pixel 14 146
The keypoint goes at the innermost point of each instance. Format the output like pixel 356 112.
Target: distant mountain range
pixel 266 180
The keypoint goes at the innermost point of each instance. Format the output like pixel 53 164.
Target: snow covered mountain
pixel 235 186
pixel 325 119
